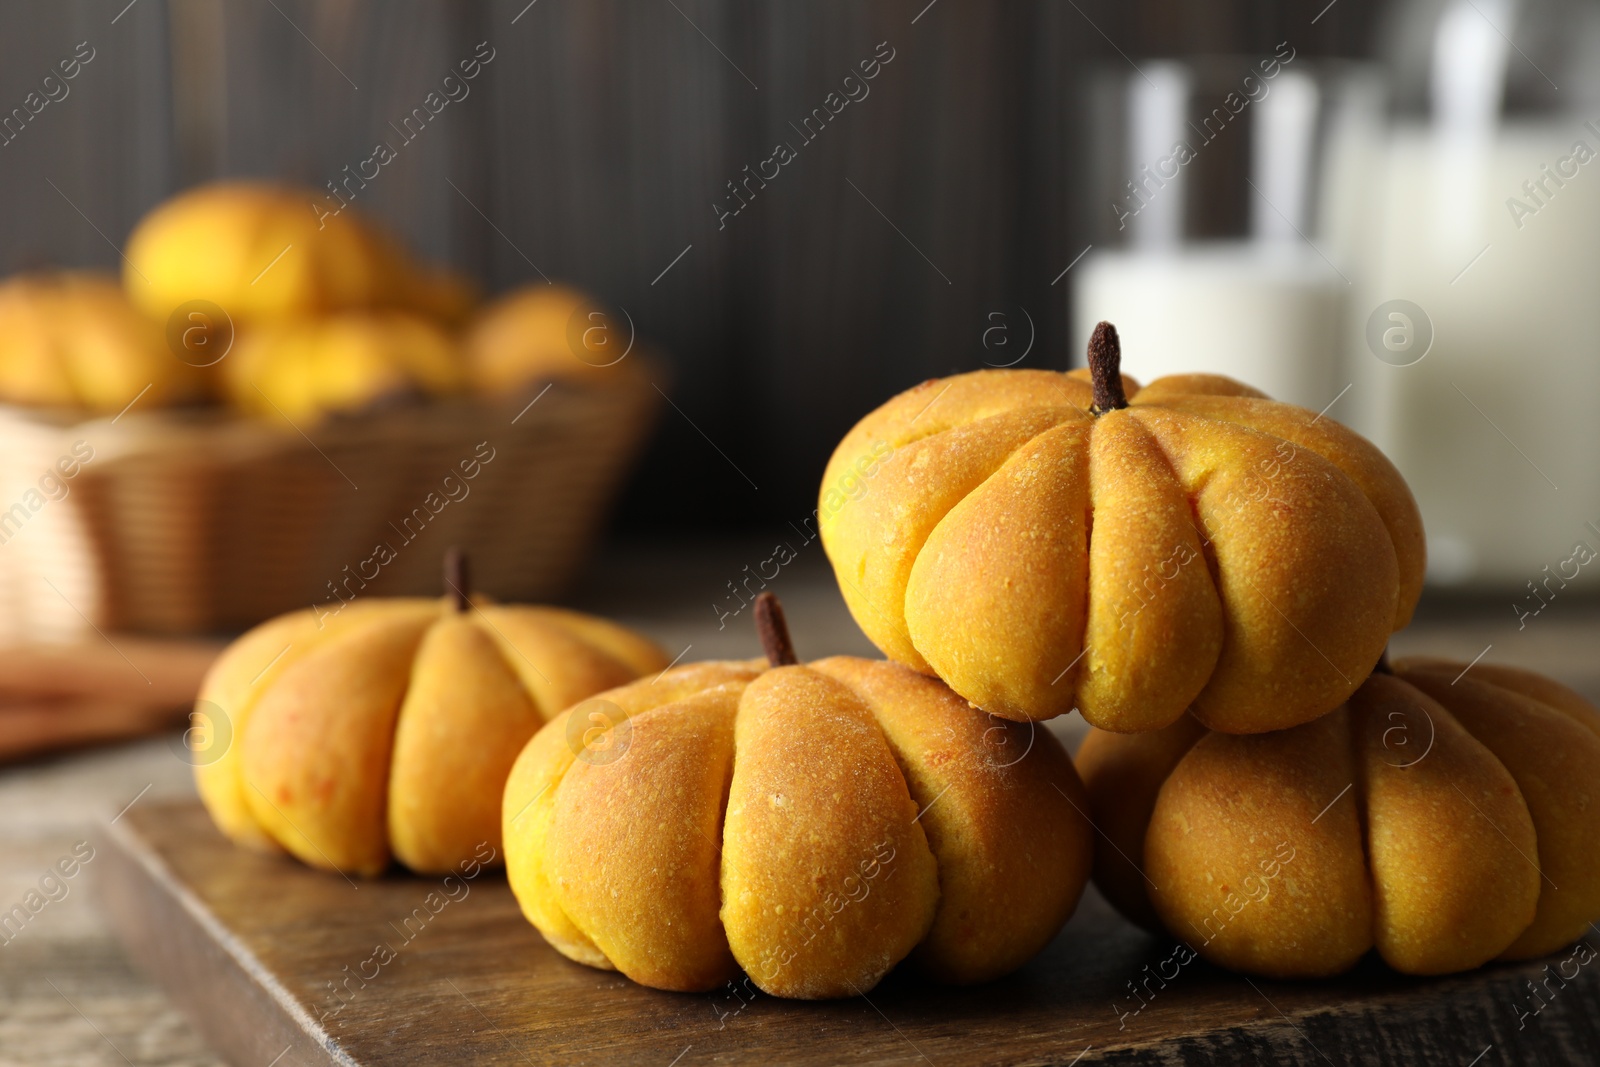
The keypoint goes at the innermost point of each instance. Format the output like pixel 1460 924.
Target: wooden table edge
pixel 163 925
pixel 208 999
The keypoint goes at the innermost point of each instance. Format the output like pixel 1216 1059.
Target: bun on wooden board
pixel 386 727
pixel 1045 541
pixel 813 825
pixel 1442 816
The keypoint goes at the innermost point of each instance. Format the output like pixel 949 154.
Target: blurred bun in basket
pixel 304 369
pixel 73 340
pixel 539 332
pixel 260 251
pixel 275 404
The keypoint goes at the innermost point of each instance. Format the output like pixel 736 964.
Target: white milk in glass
pixel 1267 313
pixel 1496 429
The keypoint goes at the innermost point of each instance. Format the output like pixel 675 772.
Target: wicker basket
pixel 201 521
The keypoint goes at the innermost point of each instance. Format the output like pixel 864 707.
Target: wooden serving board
pixel 251 946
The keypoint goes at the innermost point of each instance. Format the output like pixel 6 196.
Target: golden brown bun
pixel 389 726
pixel 1194 550
pixel 1443 818
pixel 816 792
pixel 261 251
pixel 304 369
pixel 73 339
pixel 1207 876
pixel 813 825
pixel 542 332
pixel 1131 768
pixel 1555 760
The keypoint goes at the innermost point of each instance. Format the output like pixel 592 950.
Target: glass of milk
pixel 1227 196
pixel 1487 219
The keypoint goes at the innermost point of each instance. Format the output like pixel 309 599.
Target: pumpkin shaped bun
pixel 814 825
pixel 1445 817
pixel 389 726
pixel 307 369
pixel 73 340
pixel 261 251
pixel 539 333
pixel 1045 541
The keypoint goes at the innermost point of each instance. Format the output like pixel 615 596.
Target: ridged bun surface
pixel 1444 817
pixel 1203 548
pixel 387 727
pixel 813 825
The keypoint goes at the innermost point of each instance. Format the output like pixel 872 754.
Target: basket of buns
pixel 272 411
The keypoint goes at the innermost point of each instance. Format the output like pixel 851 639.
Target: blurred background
pixel 780 215
pixel 599 144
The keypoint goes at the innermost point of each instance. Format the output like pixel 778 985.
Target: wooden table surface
pixel 69 996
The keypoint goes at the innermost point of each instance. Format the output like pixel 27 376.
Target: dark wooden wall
pixel 593 147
